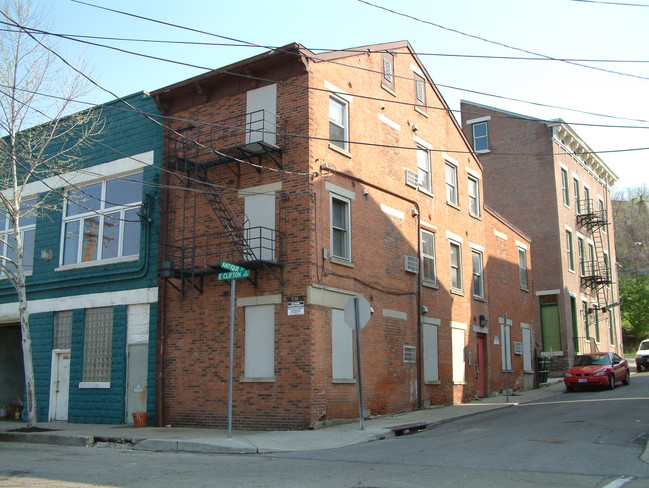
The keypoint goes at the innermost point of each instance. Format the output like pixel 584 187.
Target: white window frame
pixel 424 177
pixel 128 214
pixel 428 260
pixel 565 192
pixel 482 139
pixel 581 255
pixel 474 196
pixel 342 124
pixel 451 186
pixel 27 223
pixel 478 274
pixel 455 267
pixel 344 231
pixel 570 250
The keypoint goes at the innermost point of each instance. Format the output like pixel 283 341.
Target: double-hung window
pixel 564 187
pixel 570 251
pixel 577 194
pixel 101 220
pixel 340 228
pixel 478 274
pixel 27 224
pixel 474 196
pixel 338 122
pixel 456 265
pixel 480 134
pixel 451 183
pixel 428 257
pixel 581 256
pixel 423 169
pixel 587 203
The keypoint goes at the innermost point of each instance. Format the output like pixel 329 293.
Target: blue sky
pixel 561 29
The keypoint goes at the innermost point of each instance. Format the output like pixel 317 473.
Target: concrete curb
pixel 58 440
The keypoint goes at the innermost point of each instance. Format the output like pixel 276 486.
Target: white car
pixel 642 356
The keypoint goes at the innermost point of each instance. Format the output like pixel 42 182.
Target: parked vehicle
pixel 642 356
pixel 597 369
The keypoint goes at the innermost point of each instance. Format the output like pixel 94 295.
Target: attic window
pixel 387 78
pixel 420 92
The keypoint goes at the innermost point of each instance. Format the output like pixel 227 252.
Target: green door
pixel 550 323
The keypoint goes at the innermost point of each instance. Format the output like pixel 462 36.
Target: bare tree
pixel 40 137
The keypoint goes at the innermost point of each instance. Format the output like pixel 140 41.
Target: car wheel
pixel 627 378
pixel 639 368
pixel 611 381
pixel 570 388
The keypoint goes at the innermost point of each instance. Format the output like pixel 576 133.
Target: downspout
pixel 419 288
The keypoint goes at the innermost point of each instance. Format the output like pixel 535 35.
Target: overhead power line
pixel 497 43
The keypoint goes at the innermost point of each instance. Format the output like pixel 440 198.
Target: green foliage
pixel 635 306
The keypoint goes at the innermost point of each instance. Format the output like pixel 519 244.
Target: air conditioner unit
pixel 411 264
pixel 412 179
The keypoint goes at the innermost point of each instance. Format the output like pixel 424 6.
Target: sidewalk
pixel 210 440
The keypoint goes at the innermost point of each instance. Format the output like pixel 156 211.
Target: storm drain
pixel 407 429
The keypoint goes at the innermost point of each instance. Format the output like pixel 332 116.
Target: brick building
pixel 546 180
pixel 91 243
pixel 329 176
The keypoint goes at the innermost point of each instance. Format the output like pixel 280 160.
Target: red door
pixel 481 365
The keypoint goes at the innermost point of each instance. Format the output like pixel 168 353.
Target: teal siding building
pixel 92 257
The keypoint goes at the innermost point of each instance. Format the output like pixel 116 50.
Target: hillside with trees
pixel 631 222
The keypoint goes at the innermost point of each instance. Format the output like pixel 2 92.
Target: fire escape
pixel 205 219
pixel 595 266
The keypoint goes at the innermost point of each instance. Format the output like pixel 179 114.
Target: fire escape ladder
pixel 597 275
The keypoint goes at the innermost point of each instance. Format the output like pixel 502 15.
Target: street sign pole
pixel 506 340
pixel 233 288
pixel 358 362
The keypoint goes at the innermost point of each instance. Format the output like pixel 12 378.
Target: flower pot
pixel 139 419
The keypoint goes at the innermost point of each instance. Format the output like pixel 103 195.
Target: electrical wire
pixel 497 43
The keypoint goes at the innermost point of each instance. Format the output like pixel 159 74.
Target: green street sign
pixel 232 267
pixel 233 275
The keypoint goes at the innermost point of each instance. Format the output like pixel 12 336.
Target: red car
pixel 597 369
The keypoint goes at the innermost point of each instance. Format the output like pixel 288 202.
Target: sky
pixel 460 42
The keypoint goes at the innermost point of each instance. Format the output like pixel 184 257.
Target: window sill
pixel 347 381
pixel 480 299
pixel 341 261
pixel 527 290
pixel 483 151
pixel 103 385
pixel 388 89
pixel 429 284
pixel 457 291
pixel 269 379
pixel 432 382
pixel 454 205
pixel 340 150
pixel 475 216
pixel 421 111
pixel 92 264
pixel 426 192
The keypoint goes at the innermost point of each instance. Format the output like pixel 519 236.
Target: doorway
pixel 60 385
pixel 138 371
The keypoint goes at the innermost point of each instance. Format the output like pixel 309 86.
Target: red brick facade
pixel 347 222
pixel 545 180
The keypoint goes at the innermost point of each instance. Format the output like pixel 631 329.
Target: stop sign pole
pixel 357 313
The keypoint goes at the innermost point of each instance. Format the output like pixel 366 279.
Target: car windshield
pixel 601 359
pixel 644 346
